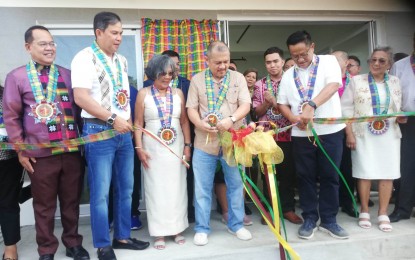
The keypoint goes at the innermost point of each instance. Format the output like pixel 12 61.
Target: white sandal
pixel 179 239
pixel 159 243
pixel 385 227
pixel 364 220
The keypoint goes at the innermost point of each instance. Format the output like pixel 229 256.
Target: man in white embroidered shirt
pixel 307 90
pixel 101 89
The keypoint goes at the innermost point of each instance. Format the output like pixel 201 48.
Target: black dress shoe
pixel 77 253
pixel 132 244
pixel 396 216
pixel 46 257
pixel 106 253
pixel 350 211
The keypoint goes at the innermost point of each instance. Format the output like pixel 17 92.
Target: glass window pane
pixel 70 45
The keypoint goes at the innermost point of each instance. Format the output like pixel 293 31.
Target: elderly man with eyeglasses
pixel 353 65
pixel 39 108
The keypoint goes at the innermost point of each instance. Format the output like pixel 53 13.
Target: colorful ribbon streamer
pixel 64 143
pixel 238 147
pixel 339 120
pixel 105 135
pixel 272 216
pixel 158 139
pixel 111 133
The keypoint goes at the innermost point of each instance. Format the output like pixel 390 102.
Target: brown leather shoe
pixel 293 218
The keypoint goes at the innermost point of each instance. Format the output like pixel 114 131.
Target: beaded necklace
pixel 347 79
pixel 120 96
pixel 375 95
pixel 36 85
pixel 175 82
pixel 165 112
pixel 378 127
pixel 116 82
pixel 269 85
pixel 306 94
pixel 166 132
pixel 215 105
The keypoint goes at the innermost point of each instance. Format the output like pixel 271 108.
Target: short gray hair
pixel 158 65
pixel 387 50
pixel 341 54
pixel 218 46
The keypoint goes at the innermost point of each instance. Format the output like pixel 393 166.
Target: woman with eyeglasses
pixel 161 109
pixel 375 145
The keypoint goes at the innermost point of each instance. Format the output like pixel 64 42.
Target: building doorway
pixel 249 39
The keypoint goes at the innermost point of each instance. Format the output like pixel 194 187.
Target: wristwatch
pixel 233 119
pixel 312 104
pixel 189 144
pixel 111 119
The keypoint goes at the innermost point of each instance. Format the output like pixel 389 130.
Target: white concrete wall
pixel 17 20
pixel 266 5
pixel 400 29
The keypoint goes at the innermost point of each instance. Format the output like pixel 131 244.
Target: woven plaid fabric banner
pixel 189 38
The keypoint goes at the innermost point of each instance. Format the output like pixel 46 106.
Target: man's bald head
pixel 340 56
pixel 217 46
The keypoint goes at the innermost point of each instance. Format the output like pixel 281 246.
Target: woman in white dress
pixel 376 145
pixel 161 109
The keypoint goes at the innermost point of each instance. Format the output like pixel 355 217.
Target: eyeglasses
pixel 164 74
pixel 45 44
pixel 381 61
pixel 304 56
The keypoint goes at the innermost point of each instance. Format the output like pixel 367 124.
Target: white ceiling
pixel 261 36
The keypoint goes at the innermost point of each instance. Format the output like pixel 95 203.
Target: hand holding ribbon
pixel 204 124
pixel 307 116
pixel 224 124
pixel 122 126
pixel 401 119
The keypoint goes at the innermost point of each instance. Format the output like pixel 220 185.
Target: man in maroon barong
pixel 39 108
